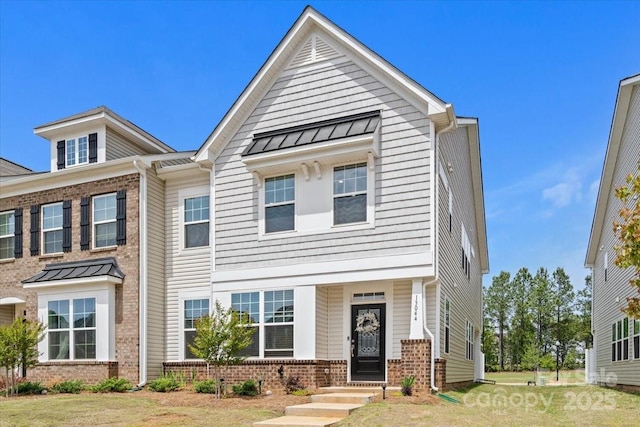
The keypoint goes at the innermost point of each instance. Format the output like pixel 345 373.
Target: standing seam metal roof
pixel 77 270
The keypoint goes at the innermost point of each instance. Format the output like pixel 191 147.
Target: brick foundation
pixel 441 374
pixel 312 373
pixel 90 373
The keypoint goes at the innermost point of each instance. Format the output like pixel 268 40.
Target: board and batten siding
pixel 322 323
pixel 186 270
pixel 118 147
pixel 155 275
pixel 402 204
pixel 401 316
pixel 606 310
pixel 335 300
pixel 465 294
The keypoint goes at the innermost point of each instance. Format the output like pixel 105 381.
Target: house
pixel 615 357
pixel 347 218
pixel 75 252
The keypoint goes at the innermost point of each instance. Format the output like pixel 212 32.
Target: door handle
pixel 353 348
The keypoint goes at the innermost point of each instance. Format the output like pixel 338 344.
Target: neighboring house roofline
pixel 23 169
pixel 109 117
pixel 473 131
pixel 276 61
pixel 618 122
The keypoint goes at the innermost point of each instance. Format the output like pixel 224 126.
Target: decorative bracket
pixel 258 178
pixel 305 171
pixel 316 166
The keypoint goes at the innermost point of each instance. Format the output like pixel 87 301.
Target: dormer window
pixel 77 151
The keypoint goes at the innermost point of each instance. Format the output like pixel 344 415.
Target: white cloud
pixel 569 190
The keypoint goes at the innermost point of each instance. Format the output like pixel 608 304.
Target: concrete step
pixel 357 389
pixel 323 409
pixel 361 398
pixel 297 421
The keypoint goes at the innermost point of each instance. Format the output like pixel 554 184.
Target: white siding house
pixel 327 217
pixel 615 358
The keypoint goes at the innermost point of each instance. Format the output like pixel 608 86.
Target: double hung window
pixel 52 232
pixel 248 303
pixel 77 151
pixel 104 220
pixel 620 340
pixel 196 221
pixel 193 310
pixel 279 203
pixel 447 324
pixel 7 235
pixel 469 347
pixel 350 194
pixel 72 329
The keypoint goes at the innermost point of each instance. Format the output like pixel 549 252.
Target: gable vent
pixel 314 50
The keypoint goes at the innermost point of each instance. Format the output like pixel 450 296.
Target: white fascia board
pixel 304 25
pixel 613 146
pixel 404 266
pixel 100 280
pixel 68 177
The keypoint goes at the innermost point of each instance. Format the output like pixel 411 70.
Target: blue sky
pixel 542 78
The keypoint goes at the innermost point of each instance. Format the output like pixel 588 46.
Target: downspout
pixel 209 168
pixel 142 310
pixel 426 328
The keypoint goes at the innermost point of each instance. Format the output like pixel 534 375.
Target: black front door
pixel 367 342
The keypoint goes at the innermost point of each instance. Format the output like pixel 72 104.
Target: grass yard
pixel 567 377
pixel 481 405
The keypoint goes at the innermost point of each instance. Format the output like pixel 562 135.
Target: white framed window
pixel 279 203
pixel 7 235
pixel 620 340
pixel 193 309
pixel 606 266
pixel 52 232
pixel 447 324
pixel 77 151
pixel 636 339
pixel 469 340
pixel 196 221
pixel 104 220
pixel 71 329
pixel 466 251
pixel 273 321
pixel 249 303
pixel 350 194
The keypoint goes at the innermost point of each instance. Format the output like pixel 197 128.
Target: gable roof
pixel 311 20
pixel 623 99
pixel 9 168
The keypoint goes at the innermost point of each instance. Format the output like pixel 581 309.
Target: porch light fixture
pixel 384 391
pixel 281 371
pixel 260 386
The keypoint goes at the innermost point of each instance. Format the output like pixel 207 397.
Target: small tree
pixel 627 230
pixel 18 347
pixel 220 337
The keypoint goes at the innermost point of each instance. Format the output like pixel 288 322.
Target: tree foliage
pixel 498 309
pixel 18 347
pixel 627 230
pixel 220 337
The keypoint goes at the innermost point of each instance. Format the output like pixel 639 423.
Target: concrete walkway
pixel 324 410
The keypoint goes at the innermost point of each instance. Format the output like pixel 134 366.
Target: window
pixel 7 238
pixel 274 324
pixel 350 194
pixel 636 339
pixel 368 296
pixel 606 265
pixel 77 151
pixel 72 329
pixel 469 347
pixel 52 228
pixel 104 220
pixel 279 203
pixel 466 251
pixel 450 211
pixel 193 310
pixel 196 222
pixel 249 303
pixel 620 340
pixel 447 324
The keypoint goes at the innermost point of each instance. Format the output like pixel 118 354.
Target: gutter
pixel 142 286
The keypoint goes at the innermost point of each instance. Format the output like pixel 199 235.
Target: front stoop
pixel 324 410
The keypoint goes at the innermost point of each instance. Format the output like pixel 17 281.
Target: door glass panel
pixel 368 328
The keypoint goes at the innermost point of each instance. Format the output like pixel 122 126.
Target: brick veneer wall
pixel 12 272
pixel 441 374
pixel 91 373
pixel 311 373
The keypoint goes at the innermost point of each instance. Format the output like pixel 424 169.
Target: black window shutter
pixel 66 226
pixel 17 248
pixel 84 223
pixel 61 155
pixel 35 230
pixel 121 217
pixel 93 148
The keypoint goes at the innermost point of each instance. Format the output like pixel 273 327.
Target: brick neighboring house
pixel 74 250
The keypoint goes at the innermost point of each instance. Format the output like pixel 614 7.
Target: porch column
pixel 416 331
pixel 304 317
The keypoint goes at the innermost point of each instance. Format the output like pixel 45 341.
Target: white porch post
pixel 417 310
pixel 304 329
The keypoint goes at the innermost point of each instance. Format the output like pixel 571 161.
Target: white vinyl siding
pixel 401 190
pixel 322 323
pixel 155 276
pixel 401 317
pixel 610 297
pixel 186 271
pixel 336 316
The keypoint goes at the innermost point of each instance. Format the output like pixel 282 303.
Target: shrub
pixel 112 384
pixel 206 386
pixel 247 388
pixel 292 384
pixel 303 392
pixel 406 385
pixel 70 386
pixel 164 384
pixel 28 387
